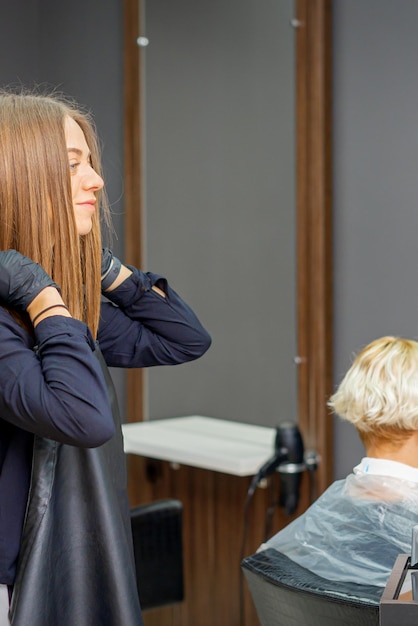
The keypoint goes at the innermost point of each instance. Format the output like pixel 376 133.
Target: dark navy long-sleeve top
pixel 51 383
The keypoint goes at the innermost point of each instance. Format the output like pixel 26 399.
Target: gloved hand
pixel 110 268
pixel 21 280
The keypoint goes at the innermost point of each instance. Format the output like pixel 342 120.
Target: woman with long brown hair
pixel 65 541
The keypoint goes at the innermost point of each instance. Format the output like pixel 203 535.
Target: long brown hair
pixel 36 209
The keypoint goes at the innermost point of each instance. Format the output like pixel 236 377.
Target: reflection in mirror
pixel 219 130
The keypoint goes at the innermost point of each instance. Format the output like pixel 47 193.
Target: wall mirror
pixel 227 158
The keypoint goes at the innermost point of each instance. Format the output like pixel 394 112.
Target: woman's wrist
pixel 123 274
pixel 47 303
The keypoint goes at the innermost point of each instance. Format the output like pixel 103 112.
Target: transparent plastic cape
pixel 355 530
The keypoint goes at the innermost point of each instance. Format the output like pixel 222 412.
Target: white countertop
pixel 205 442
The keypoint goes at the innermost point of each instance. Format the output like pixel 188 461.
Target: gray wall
pixel 375 183
pixel 220 200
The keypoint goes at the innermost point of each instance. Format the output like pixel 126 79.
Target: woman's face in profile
pixel 84 180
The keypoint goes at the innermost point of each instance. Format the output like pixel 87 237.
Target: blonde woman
pixel 65 542
pixel 357 528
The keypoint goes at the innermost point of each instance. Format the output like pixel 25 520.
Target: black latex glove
pixel 109 272
pixel 21 280
pixel 107 256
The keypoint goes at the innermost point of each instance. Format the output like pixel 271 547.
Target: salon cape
pixel 76 564
pixel 358 527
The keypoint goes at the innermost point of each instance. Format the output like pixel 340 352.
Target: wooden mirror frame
pixel 314 229
pixel 314 214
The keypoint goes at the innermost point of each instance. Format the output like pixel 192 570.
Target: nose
pixel 92 180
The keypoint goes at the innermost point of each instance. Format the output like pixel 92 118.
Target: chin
pixel 84 229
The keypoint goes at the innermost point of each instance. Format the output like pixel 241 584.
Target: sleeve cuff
pixel 134 287
pixel 61 325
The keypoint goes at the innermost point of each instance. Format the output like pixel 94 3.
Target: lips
pixel 91 204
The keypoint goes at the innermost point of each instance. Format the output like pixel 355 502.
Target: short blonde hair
pixel 379 393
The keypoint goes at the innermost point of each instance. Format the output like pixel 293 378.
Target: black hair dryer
pixel 289 462
pixel 289 440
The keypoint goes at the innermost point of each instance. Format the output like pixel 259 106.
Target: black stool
pixel 158 550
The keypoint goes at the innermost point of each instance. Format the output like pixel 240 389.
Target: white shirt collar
pixel 384 467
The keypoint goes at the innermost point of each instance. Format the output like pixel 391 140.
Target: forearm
pixel 152 324
pixel 150 329
pixel 57 392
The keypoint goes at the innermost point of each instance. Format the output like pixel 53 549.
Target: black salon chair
pixel 286 594
pixel 158 550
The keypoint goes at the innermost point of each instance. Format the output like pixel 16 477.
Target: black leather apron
pixel 76 565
